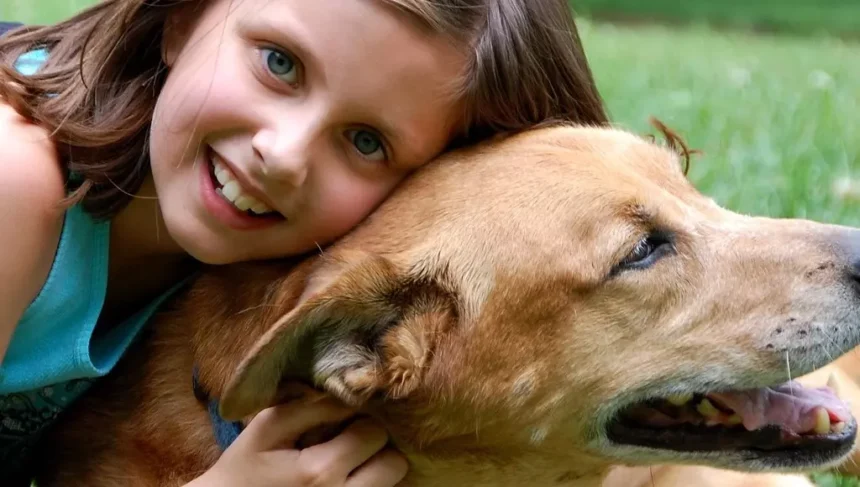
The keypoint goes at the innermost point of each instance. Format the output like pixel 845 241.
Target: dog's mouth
pixel 786 419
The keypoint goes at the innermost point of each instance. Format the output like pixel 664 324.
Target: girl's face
pixel 283 123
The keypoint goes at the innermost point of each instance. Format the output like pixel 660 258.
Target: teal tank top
pixel 56 351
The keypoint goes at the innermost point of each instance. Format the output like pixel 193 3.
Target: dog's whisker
pixel 788 370
pixel 826 351
pixel 651 472
pixel 259 306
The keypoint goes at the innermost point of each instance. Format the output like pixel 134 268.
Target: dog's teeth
pixel 837 427
pixel 833 384
pixel 679 399
pixel 822 421
pixel 735 419
pixel 706 409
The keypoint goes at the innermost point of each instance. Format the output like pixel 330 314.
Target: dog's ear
pixel 363 327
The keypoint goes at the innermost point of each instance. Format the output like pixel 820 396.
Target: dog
pixel 528 311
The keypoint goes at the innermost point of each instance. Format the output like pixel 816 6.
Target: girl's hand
pixel 265 454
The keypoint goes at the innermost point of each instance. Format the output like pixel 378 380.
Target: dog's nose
pixel 854 273
pixel 849 241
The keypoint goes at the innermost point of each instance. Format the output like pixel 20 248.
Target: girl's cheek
pixel 347 204
pixel 220 95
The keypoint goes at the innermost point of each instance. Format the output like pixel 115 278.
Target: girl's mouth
pixel 229 188
pixel 226 199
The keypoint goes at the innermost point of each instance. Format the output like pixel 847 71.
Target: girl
pixel 143 136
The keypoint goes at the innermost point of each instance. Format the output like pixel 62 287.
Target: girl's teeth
pixel 222 175
pixel 244 203
pixel 232 191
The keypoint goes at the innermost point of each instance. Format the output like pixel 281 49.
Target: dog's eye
pixel 646 253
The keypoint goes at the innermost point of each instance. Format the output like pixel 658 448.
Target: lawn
pixel 840 17
pixel 39 11
pixel 778 118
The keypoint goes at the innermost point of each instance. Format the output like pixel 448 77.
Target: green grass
pixel 827 480
pixel 39 11
pixel 841 17
pixel 833 16
pixel 777 117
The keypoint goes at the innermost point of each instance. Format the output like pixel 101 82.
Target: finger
pixel 348 450
pixel 280 426
pixel 386 468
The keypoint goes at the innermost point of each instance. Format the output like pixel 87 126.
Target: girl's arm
pixel 31 186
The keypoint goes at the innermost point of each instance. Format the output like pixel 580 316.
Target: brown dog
pixel 524 313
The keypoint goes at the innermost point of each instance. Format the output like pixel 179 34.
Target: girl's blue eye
pixel 281 65
pixel 367 144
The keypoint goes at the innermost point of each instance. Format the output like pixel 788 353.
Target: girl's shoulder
pixel 31 220
pixel 29 166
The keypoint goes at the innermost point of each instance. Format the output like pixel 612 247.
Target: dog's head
pixel 533 309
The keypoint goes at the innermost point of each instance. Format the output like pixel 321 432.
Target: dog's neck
pixel 215 362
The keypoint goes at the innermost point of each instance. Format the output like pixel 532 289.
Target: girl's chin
pixel 207 248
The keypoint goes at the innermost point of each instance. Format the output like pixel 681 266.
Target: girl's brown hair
pixel 97 91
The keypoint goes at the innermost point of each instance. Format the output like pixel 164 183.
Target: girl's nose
pixel 284 155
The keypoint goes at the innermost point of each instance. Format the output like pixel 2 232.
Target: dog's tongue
pixel 791 406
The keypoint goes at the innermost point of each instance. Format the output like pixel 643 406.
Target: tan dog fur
pixel 481 316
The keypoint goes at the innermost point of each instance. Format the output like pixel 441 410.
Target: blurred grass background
pixel 768 89
pixel 39 11
pixel 828 17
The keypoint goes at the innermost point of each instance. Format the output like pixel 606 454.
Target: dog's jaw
pixel 631 455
